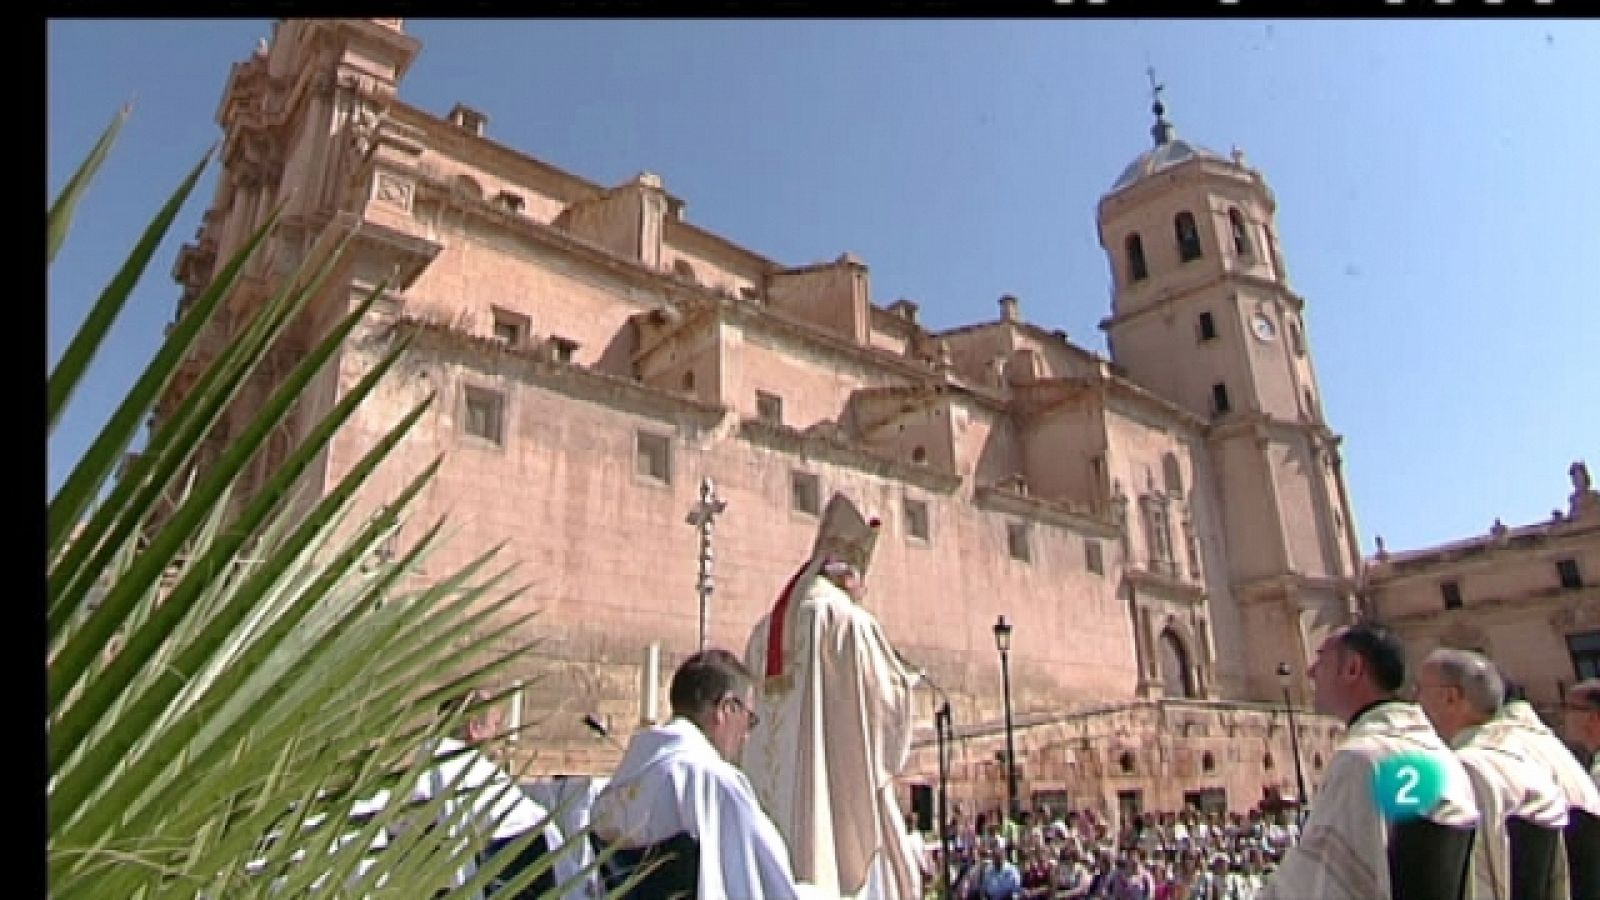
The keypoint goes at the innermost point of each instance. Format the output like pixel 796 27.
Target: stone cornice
pixel 1262 426
pixel 1163 585
pixel 1173 295
pixel 572 188
pixel 1476 552
pixel 1041 510
pixel 837 452
pixel 444 135
pixel 1250 591
pixel 574 381
pixel 412 254
pixel 1555 599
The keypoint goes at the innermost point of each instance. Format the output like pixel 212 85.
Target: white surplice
pixel 1343 849
pixel 671 780
pixel 1536 739
pixel 569 798
pixel 835 730
pixel 1506 783
pixel 499 806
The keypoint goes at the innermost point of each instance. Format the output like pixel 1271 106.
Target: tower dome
pixel 1167 152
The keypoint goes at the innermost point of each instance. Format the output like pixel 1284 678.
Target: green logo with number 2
pixel 1407 785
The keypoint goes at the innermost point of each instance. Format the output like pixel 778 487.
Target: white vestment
pixel 836 724
pixel 1538 742
pixel 1343 849
pixel 1506 783
pixel 500 808
pixel 569 799
pixel 671 780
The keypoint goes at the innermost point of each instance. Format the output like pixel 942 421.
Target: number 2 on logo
pixel 1409 777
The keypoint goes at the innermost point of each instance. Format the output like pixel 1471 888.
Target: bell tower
pixel 1203 316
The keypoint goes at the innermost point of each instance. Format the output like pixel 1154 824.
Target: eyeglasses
pixel 749 714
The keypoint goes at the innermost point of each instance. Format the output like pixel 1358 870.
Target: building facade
pixel 1164 527
pixel 1527 597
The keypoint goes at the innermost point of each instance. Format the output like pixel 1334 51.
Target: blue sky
pixel 1436 185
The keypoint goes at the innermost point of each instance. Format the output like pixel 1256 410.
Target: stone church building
pixel 1528 597
pixel 1164 528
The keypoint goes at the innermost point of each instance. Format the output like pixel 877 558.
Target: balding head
pixel 1459 689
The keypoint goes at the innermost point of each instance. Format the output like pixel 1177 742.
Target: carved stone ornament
pixel 393 190
pixel 1580 615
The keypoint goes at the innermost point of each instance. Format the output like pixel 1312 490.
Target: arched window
pixel 1296 338
pixel 1172 475
pixel 688 379
pixel 467 186
pixel 1188 235
pixel 1175 677
pixel 1241 236
pixel 1137 270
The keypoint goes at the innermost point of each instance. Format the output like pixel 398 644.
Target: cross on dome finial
pixel 1161 131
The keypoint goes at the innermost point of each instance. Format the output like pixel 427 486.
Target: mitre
pixel 845 534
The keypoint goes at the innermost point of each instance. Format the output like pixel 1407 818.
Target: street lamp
pixel 1002 642
pixel 1285 679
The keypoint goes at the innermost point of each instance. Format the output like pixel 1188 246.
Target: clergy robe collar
pixel 1369 708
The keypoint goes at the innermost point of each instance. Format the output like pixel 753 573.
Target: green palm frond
pixel 233 672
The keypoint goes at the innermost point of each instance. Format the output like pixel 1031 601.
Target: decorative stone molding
pixel 392 190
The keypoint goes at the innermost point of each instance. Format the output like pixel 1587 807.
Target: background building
pixel 1164 527
pixel 1528 597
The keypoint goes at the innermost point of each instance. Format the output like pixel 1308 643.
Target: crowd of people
pixel 1043 855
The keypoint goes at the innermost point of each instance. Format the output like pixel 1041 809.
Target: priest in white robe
pixel 484 797
pixel 836 722
pixel 676 788
pixel 1344 844
pixel 1461 693
pixel 1582 711
pixel 1535 739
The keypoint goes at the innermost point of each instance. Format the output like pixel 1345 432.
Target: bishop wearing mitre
pixel 835 721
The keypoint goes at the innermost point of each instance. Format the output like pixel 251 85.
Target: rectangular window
pixel 510 327
pixel 562 349
pixel 916 519
pixel 805 493
pixel 1219 398
pixel 1451 592
pixel 653 456
pixel 1567 570
pixel 1094 557
pixel 769 408
pixel 485 413
pixel 1017 541
pixel 1585 650
pixel 509 201
pixel 1208 327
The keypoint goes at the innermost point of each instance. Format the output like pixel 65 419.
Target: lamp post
pixel 1002 642
pixel 1285 679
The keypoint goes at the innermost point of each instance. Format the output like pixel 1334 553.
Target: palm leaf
pixel 60 216
pixel 86 343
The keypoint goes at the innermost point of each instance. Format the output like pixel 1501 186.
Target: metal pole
pixel 1294 745
pixel 941 726
pixel 1011 750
